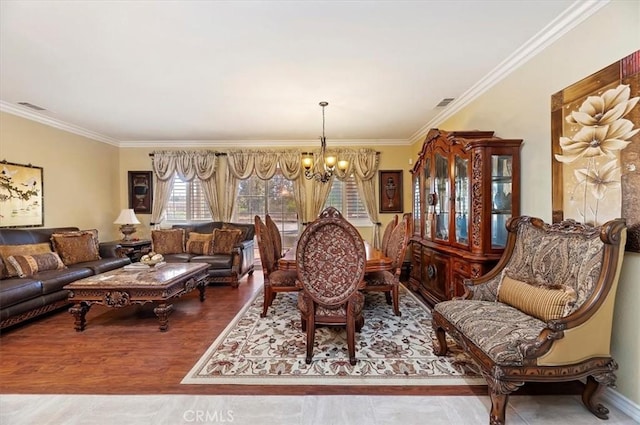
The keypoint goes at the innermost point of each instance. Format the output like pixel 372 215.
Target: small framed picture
pixel 390 191
pixel 140 191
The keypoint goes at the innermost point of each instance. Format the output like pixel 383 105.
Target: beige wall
pixel 391 158
pixel 519 107
pixel 80 184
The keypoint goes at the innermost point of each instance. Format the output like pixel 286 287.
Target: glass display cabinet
pixel 466 187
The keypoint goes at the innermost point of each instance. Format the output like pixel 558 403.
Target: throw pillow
pixel 75 247
pixel 541 302
pixel 244 230
pixel 168 241
pixel 28 265
pixel 224 240
pixel 28 249
pixel 199 243
pixel 94 234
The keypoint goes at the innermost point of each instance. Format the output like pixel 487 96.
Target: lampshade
pixel 127 217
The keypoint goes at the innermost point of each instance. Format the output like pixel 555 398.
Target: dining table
pixel 376 260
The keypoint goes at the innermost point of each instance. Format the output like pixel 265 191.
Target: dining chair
pixel 276 237
pixel 274 280
pixel 331 260
pixel 389 281
pixel 387 233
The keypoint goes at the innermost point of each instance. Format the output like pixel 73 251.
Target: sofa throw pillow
pixel 542 302
pixel 28 249
pixel 169 241
pixel 244 230
pixel 224 240
pixel 28 265
pixel 94 234
pixel 199 243
pixel 75 247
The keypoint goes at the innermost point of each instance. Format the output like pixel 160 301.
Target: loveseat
pixel 544 313
pixel 22 298
pixel 227 265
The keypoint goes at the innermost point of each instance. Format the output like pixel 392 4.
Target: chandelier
pixel 328 160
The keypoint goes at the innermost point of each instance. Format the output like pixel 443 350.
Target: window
pixel 344 197
pixel 273 197
pixel 187 202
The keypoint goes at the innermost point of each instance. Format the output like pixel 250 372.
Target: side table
pixel 134 249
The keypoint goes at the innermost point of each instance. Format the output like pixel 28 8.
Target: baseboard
pixel 620 402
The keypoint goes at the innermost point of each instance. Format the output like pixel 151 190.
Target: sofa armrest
pixel 243 257
pixel 112 250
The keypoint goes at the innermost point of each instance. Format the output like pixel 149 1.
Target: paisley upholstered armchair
pixel 544 313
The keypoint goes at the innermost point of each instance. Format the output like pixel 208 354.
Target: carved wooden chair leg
pixel 498 408
pixel 440 344
pixel 591 390
pixel 396 301
pixel 351 338
pixel 387 296
pixel 267 301
pixel 303 323
pixel 311 333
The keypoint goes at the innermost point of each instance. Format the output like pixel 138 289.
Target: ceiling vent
pixel 32 106
pixel 444 102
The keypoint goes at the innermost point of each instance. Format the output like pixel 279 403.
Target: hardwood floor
pixel 122 351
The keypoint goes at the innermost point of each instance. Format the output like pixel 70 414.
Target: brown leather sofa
pixel 27 297
pixel 223 268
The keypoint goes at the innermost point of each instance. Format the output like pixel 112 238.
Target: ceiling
pixel 253 72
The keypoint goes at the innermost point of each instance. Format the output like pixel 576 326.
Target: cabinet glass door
pixel 416 204
pixel 501 204
pixel 441 184
pixel 461 190
pixel 428 216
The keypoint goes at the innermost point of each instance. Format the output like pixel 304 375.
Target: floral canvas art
pixel 20 195
pixel 596 146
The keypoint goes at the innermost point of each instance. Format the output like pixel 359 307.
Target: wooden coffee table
pixel 120 288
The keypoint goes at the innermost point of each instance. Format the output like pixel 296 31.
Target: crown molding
pixel 565 22
pixel 259 143
pixel 52 122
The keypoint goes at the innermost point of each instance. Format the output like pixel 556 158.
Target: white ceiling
pixel 252 72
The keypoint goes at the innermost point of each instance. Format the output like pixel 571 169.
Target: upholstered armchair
pixel 331 259
pixel 274 280
pixel 544 313
pixel 389 281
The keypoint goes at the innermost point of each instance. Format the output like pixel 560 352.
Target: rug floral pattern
pixel 390 350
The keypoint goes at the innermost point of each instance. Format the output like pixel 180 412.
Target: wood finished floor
pixel 122 351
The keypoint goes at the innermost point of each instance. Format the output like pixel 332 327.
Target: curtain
pixel 188 165
pixel 163 164
pixel 365 165
pixel 240 165
pixel 291 168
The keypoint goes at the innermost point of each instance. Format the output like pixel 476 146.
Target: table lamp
pixel 128 220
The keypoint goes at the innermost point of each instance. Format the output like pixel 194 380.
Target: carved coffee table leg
pixel 162 311
pixel 79 311
pixel 202 287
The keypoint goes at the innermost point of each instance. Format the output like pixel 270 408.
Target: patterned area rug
pixel 390 350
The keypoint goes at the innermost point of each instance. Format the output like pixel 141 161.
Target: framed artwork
pixel 595 142
pixel 140 191
pixel 21 201
pixel 390 188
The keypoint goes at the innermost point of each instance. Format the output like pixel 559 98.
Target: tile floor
pixel 291 410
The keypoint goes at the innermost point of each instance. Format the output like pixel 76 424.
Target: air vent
pixel 444 102
pixel 32 106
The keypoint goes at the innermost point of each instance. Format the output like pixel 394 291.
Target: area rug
pixel 390 350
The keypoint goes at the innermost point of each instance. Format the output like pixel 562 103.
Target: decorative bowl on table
pixel 152 259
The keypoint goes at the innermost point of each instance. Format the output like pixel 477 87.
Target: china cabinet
pixel 466 185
